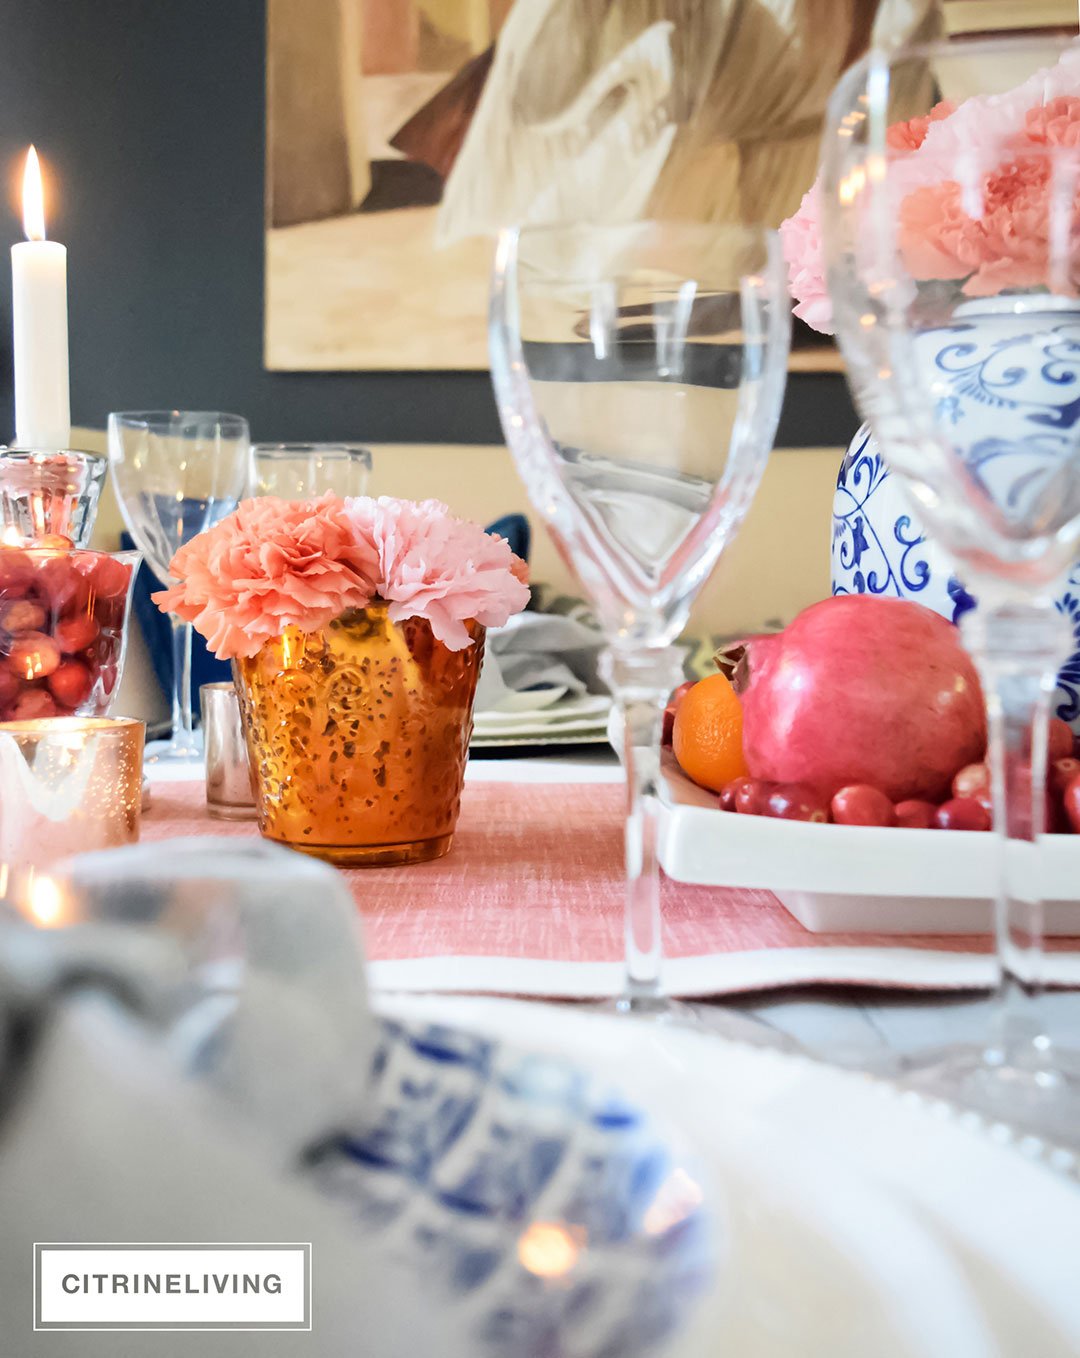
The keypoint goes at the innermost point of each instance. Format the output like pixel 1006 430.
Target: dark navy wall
pixel 150 115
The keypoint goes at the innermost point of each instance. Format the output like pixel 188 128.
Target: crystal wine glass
pixel 176 473
pixel 953 256
pixel 304 471
pixel 639 371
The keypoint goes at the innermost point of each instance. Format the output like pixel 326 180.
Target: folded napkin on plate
pixel 538 653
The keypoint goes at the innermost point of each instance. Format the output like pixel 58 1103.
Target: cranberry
pixel 1060 742
pixel 54 542
pixel 795 801
pixel 751 796
pixel 75 634
pixel 32 704
pixel 728 791
pixel 16 573
pixel 110 578
pixel 963 813
pixel 861 804
pixel 1061 772
pixel 971 781
pixel 10 688
pixel 1072 804
pixel 916 815
pixel 33 655
pixel 22 615
pixel 70 683
pixel 66 589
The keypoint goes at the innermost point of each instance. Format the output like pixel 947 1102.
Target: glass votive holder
pixel 54 491
pixel 230 794
pixel 67 785
pixel 63 629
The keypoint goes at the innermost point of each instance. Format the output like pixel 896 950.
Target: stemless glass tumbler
pixel 951 216
pixel 639 371
pixel 176 473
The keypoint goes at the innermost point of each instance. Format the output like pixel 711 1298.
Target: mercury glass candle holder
pixel 45 492
pixel 230 792
pixel 67 785
pixel 358 736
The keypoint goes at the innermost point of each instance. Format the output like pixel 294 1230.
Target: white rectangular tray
pixel 859 879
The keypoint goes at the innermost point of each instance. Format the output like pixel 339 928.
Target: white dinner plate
pixel 594 706
pixel 856 1222
pixel 575 720
pixel 857 878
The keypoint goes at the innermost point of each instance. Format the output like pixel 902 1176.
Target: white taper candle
pixel 39 316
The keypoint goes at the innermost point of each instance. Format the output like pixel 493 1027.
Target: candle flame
pixel 33 198
pixel 46 903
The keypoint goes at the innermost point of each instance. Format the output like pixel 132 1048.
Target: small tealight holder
pixel 229 791
pixel 68 785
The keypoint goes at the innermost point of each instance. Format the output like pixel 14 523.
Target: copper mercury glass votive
pixel 358 736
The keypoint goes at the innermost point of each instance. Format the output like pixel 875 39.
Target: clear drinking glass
pixel 953 256
pixel 304 471
pixel 639 371
pixel 176 473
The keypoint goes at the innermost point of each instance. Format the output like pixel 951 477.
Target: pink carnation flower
pixel 910 136
pixel 271 564
pixel 435 566
pixel 800 234
pixel 800 238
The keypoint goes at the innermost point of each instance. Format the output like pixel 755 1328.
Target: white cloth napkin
pixel 535 660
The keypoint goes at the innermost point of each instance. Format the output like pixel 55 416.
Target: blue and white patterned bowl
pixel 999 374
pixel 554 1214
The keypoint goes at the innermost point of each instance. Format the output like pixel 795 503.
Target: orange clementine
pixel 707 738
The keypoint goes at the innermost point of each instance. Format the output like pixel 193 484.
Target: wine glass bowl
pixel 176 473
pixel 639 370
pixel 950 206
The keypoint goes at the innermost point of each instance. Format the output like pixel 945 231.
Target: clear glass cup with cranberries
pixel 63 617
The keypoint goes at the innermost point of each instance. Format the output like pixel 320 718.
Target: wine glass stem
pixel 642 685
pixel 1018 650
pixel 181 704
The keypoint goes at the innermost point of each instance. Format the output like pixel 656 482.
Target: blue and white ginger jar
pixel 991 364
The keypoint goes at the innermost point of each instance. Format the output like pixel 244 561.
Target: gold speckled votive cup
pixel 68 785
pixel 358 736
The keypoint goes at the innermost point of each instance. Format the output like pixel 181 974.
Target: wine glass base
pixel 713 1019
pixel 1034 1092
pixel 178 750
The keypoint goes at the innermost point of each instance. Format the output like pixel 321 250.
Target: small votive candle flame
pixel 67 785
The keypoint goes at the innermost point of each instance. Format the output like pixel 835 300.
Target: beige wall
pixel 778 564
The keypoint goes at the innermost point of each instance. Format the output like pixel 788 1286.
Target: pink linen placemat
pixel 529 901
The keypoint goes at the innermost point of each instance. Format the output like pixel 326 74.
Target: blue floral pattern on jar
pixel 989 366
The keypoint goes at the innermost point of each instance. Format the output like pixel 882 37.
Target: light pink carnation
pixel 435 566
pixel 271 564
pixel 800 237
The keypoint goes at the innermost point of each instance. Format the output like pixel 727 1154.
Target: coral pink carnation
pixel 271 564
pixel 1007 247
pixel 910 136
pixel 435 566
pixel 1054 124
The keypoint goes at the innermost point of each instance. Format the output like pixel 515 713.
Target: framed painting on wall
pixel 402 133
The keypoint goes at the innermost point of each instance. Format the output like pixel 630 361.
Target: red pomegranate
pixel 860 689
